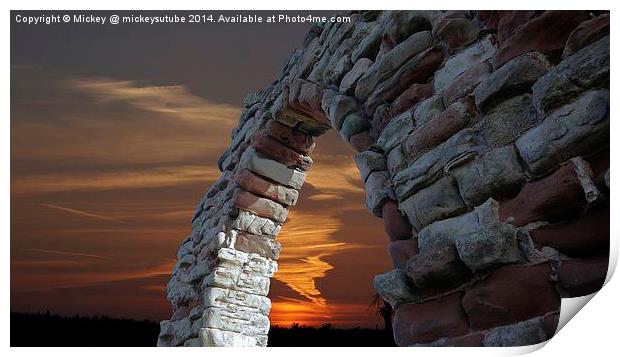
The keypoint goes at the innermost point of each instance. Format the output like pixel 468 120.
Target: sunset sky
pixel 115 135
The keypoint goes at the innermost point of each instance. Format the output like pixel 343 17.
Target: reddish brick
pixel 587 33
pixel 583 277
pixel 455 33
pixel 294 139
pixel 396 226
pixel 546 33
pixel 260 206
pixel 267 145
pixel 430 321
pixel 471 340
pixel 412 96
pixel 550 324
pixel 361 141
pixel 401 250
pixel 262 187
pixel 466 82
pixel 511 21
pixel 586 236
pixel 511 294
pixel 553 198
pixel 441 127
pixel 419 69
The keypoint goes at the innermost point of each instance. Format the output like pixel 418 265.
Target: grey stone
pixel 463 61
pixel 241 320
pixel 438 267
pixel 572 130
pixel 232 299
pixel 251 223
pixel 387 64
pixel 353 123
pixel 236 279
pixel 460 148
pixel 396 161
pixel 272 169
pixel 369 161
pixel 515 77
pixel 495 171
pixel 316 75
pixel 508 120
pixel 347 85
pixel 369 46
pixel 211 337
pixel 335 72
pixel 339 108
pixel 482 241
pixel 584 70
pixel 438 201
pixel 524 333
pixel 266 247
pixel 378 190
pixel 394 287
pixel 427 109
pixel 395 132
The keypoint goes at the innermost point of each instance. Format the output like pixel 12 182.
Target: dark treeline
pixel 45 329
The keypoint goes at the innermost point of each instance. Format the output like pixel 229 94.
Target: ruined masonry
pixel 483 143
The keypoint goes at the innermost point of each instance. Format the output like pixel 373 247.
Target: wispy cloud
pixel 66 253
pixel 82 213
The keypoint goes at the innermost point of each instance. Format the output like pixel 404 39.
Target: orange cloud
pixel 81 213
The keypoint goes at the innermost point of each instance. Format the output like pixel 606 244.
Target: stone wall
pixel 483 143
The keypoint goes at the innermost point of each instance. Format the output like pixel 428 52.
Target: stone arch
pixel 478 146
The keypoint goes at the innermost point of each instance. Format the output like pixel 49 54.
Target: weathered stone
pixel 438 267
pixel 455 33
pixel 251 243
pixel 414 94
pixel 309 58
pixel 470 340
pixel 232 300
pixel 268 146
pixel 396 226
pixel 378 191
pixel 400 251
pixel 465 82
pixel 381 118
pixel 546 33
pixel 394 287
pixel 369 161
pixel 427 109
pixel 524 333
pixel 586 236
pixel 429 321
pixel 582 277
pixel 390 62
pixel 259 186
pixel 480 238
pixel 397 161
pixel 340 107
pixel 340 68
pixel 568 132
pixel 586 33
pixel 460 148
pixel 507 121
pixel 515 77
pixel 492 174
pixel 462 61
pixel 440 127
pixel 242 321
pixel 419 69
pixel 294 139
pixel 403 23
pixel 369 46
pixel 395 132
pixel 511 21
pixel 347 85
pixel 218 338
pixel 438 201
pixel 272 169
pixel 237 280
pixel 344 30
pixel 353 123
pixel 362 141
pixel 492 301
pixel 588 68
pixel 249 222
